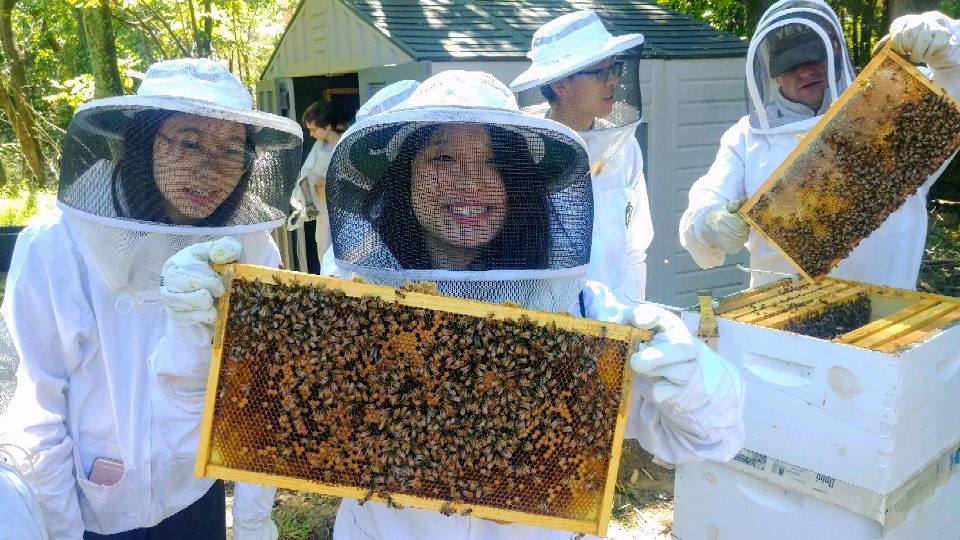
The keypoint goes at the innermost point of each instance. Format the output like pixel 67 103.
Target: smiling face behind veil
pixel 459 188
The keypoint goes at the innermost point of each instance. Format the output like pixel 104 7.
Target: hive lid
pixel 884 137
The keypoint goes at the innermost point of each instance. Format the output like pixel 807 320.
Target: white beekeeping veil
pixel 586 78
pixel 456 186
pixel 186 159
pixel 792 33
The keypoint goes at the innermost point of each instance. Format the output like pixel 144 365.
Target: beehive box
pixel 414 399
pixel 714 500
pixel 857 381
pixel 885 136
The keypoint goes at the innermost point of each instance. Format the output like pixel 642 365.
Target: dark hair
pixel 388 207
pixel 134 181
pixel 319 113
pixel 548 93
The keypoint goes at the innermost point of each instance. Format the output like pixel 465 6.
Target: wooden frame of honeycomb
pixel 513 422
pixel 886 134
pixel 894 318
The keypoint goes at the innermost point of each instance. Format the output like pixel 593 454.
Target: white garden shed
pixel 691 78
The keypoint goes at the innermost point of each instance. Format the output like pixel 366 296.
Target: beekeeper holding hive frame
pixel 576 69
pixel 797 65
pixel 458 187
pixel 110 383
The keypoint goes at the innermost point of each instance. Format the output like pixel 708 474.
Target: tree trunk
pixel 102 49
pixel 18 73
pixel 22 118
pixel 14 98
pixel 896 8
pixel 205 32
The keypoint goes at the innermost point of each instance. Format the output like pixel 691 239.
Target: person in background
pixel 576 69
pixel 789 88
pixel 309 197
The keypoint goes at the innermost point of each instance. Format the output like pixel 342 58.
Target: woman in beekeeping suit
pixel 577 71
pixel 110 384
pixel 456 186
pixel 797 65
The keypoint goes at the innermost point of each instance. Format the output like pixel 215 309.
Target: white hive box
pixel 723 501
pixel 869 407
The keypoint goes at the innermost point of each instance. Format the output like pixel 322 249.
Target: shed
pixel 691 78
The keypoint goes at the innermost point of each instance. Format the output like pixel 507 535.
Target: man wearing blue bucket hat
pixel 576 70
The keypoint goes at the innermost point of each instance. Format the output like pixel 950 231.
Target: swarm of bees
pixel 835 320
pixel 392 399
pixel 873 154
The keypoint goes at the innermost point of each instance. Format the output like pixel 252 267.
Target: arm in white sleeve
pixel 48 323
pixel 640 226
pixel 310 164
pixel 722 184
pixel 181 364
pixel 703 421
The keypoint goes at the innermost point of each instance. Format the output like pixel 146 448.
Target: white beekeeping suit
pixel 20 514
pixel 803 39
pixel 105 375
pixel 456 186
pixel 578 68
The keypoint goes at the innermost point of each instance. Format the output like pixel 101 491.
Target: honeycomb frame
pixel 809 208
pixel 904 319
pixel 211 462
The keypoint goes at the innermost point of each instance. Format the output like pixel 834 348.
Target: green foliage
pixel 50 37
pixel 727 15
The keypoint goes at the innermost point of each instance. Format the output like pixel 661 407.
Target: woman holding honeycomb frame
pixel 458 187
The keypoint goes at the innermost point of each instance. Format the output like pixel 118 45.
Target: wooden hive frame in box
pixel 857 165
pixel 233 444
pixel 894 318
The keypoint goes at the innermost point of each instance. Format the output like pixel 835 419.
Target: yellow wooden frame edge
pixel 885 54
pixel 620 332
pixel 632 335
pixel 484 512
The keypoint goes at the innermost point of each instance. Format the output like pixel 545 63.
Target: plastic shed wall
pixel 691 104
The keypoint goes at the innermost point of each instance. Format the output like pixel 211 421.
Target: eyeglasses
pixel 603 74
pixel 229 158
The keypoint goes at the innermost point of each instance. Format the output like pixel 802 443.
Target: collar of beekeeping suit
pixel 537 249
pixel 791 33
pixel 386 98
pixel 574 43
pixel 185 158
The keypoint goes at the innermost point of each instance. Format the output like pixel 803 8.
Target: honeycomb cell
pixel 391 399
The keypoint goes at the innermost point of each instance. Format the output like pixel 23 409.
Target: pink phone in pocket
pixel 106 471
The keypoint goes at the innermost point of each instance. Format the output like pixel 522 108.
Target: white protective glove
pixel 926 38
pixel 670 358
pixel 189 284
pixel 725 230
pixel 255 529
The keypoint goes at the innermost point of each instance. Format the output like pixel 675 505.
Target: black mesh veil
pixel 482 202
pixel 142 177
pixel 793 33
pixel 174 166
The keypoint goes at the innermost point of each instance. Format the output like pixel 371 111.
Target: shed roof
pixel 443 30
